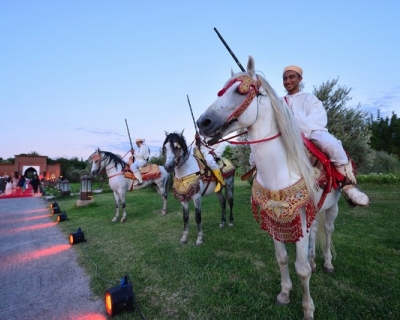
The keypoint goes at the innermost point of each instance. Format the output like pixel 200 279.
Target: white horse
pixel 191 184
pixel 284 188
pixel 121 180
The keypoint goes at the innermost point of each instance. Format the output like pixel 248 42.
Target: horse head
pixel 95 159
pixel 233 108
pixel 175 150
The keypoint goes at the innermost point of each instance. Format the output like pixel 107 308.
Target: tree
pixel 349 125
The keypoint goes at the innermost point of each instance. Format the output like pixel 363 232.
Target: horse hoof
pixel 183 241
pixel 222 225
pixel 231 224
pixel 163 213
pixel 123 219
pixel 329 270
pixel 282 299
pixel 113 220
pixel 199 243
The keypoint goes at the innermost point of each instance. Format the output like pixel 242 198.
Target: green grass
pixel 234 274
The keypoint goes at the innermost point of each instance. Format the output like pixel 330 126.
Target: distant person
pixel 21 183
pixel 9 187
pixel 15 181
pixel 35 182
pixel 142 157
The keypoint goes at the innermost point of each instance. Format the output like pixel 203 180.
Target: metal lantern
pixel 86 188
pixel 59 184
pixel 65 188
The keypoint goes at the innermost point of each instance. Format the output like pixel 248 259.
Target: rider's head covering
pixel 139 140
pixel 294 68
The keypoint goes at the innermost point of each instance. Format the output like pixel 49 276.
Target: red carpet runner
pixel 27 193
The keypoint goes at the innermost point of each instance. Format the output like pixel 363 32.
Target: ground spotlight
pixel 119 298
pixel 56 210
pixel 76 237
pixel 62 216
pixel 54 204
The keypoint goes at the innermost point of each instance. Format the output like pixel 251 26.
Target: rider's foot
pixel 356 196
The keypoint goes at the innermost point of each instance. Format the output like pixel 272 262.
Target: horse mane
pixel 178 138
pixel 291 137
pixel 108 157
pixel 113 157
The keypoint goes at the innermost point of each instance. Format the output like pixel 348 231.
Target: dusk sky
pixel 71 71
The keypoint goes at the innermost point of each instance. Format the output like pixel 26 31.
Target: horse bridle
pixel 250 87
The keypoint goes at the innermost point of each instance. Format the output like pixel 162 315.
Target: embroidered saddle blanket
pixel 278 210
pixel 148 172
pixel 186 187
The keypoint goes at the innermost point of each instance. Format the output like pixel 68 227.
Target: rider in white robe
pixel 142 157
pixel 209 155
pixel 312 119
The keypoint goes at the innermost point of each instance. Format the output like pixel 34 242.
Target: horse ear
pixel 166 133
pixel 181 134
pixel 250 66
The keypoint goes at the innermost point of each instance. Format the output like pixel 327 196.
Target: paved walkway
pixel 39 274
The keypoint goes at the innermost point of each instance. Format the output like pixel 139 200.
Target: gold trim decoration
pixel 278 210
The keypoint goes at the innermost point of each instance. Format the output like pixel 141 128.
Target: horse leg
pixel 330 216
pixel 303 270
pixel 229 196
pixel 116 207
pixel 222 202
pixel 164 196
pixel 123 219
pixel 197 205
pixel 185 207
pixel 312 243
pixel 286 283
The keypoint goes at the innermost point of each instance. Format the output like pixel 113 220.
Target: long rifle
pixel 191 111
pixel 129 135
pixel 229 50
pixel 197 138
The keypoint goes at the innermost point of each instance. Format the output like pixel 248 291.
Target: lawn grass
pixel 234 274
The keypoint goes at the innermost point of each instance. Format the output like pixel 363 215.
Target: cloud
pixel 386 102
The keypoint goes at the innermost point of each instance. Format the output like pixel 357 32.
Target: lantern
pixel 62 217
pixel 77 237
pixel 58 183
pixel 119 298
pixel 86 188
pixel 65 190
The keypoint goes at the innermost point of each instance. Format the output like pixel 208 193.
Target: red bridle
pixel 249 87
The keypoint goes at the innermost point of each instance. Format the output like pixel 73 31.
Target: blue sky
pixel 71 71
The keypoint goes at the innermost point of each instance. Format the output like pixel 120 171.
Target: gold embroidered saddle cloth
pixel 148 172
pixel 184 188
pixel 278 210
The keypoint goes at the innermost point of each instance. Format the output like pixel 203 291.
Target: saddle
pixel 326 173
pixel 149 171
pixel 225 165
